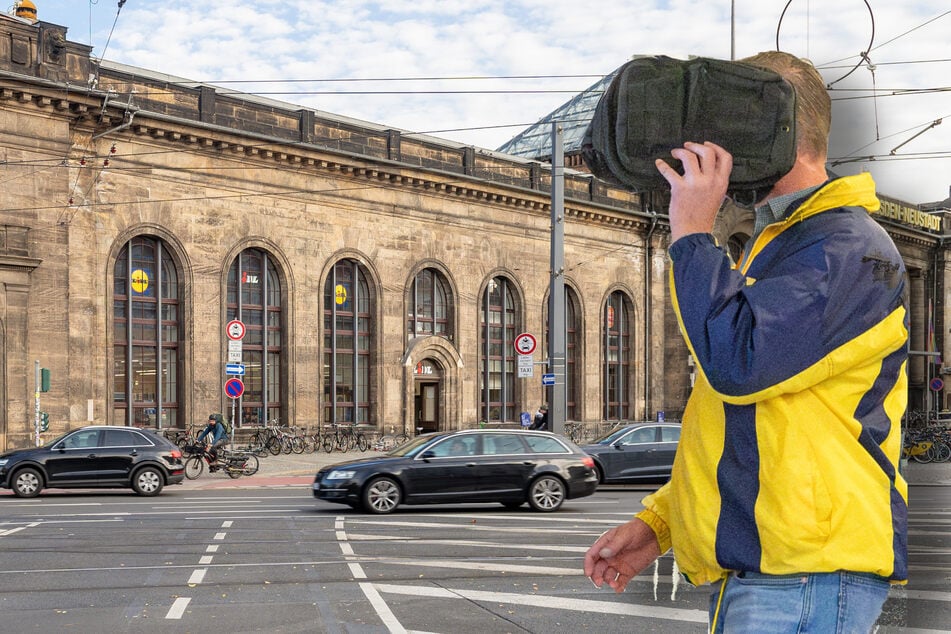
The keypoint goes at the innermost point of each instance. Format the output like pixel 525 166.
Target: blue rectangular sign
pixel 548 379
pixel 236 369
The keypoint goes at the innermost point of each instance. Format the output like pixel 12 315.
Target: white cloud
pixel 328 39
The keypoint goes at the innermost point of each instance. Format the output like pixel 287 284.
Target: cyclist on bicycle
pixel 219 434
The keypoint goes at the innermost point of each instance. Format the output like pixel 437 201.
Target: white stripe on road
pixel 205 560
pixel 226 524
pixel 382 609
pixel 558 603
pixel 198 575
pixel 477 565
pixel 178 608
pixel 19 528
pixel 474 544
pixel 357 571
pixel 219 536
pixel 212 549
pixel 468 527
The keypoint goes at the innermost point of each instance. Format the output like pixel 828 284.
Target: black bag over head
pixel 656 104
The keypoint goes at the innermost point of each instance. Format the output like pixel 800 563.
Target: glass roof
pixel 575 115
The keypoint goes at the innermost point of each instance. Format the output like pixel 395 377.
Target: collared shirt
pixel 779 208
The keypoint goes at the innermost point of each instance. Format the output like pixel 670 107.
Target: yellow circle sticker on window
pixel 140 281
pixel 340 294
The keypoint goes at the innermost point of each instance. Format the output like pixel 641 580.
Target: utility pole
pixel 556 291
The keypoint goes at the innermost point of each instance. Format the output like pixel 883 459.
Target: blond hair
pixel 813 106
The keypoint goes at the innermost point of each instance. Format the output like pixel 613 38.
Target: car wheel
pixel 598 472
pixel 148 481
pixel 27 483
pixel 382 495
pixel 546 494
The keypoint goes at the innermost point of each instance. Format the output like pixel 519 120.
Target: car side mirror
pixel 426 455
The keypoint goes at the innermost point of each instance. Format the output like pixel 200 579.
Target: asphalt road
pixel 269 558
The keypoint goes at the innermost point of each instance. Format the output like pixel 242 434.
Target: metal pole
pixel 36 403
pixel 556 291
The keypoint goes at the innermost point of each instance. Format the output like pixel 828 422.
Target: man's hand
pixel 620 554
pixel 695 197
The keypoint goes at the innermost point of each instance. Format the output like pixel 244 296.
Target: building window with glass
pixel 430 305
pixel 499 320
pixel 617 357
pixel 254 298
pixel 146 335
pixel 347 340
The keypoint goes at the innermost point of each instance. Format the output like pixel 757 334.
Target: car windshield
pixel 413 447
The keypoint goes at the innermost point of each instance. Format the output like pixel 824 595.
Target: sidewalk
pixel 280 470
pixel 299 470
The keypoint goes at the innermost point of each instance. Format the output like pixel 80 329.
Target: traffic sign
pixel 526 368
pixel 548 379
pixel 234 351
pixel 235 369
pixel 525 343
pixel 937 384
pixel 235 330
pixel 234 388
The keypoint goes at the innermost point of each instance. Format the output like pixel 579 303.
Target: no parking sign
pixel 234 388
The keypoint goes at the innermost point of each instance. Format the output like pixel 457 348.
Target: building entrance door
pixel 426 401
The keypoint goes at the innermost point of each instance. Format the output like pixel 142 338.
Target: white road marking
pixel 198 575
pixel 474 544
pixel 19 528
pixel 468 564
pixel 212 549
pixel 382 609
pixel 226 524
pixel 219 536
pixel 178 608
pixel 205 560
pixel 551 602
pixel 467 526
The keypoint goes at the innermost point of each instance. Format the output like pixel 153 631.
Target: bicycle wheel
pixel 273 445
pixel 251 464
pixel 194 467
pixel 922 456
pixel 362 442
pixel 942 452
pixel 329 441
pixel 297 444
pixel 401 438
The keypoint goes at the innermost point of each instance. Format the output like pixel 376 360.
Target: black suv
pixel 93 457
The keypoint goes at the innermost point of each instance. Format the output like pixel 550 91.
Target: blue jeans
pixel 826 603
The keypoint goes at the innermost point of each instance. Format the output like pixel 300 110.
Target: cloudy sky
pixel 479 71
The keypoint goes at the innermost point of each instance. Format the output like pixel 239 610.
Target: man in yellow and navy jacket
pixel 785 491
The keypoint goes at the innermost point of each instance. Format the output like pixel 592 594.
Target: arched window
pixel 617 353
pixel 499 320
pixel 146 336
pixel 430 306
pixel 254 297
pixel 347 340
pixel 572 328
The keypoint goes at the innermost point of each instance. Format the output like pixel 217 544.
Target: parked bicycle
pixel 345 437
pixel 234 463
pixel 391 440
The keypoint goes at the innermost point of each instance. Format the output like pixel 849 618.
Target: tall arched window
pixel 617 353
pixel 499 320
pixel 430 306
pixel 146 336
pixel 347 340
pixel 254 297
pixel 572 328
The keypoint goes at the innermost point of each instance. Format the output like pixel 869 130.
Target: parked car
pixel 638 452
pixel 93 457
pixel 511 467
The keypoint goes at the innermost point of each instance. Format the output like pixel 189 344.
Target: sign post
pixel 234 388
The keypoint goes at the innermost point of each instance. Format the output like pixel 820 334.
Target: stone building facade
pixel 381 277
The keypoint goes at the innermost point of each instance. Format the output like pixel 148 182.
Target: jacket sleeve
pixel 655 515
pixel 759 338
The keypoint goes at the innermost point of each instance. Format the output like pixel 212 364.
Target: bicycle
pixel 345 437
pixel 391 440
pixel 234 463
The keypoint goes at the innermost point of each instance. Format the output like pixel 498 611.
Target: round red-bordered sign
pixel 525 343
pixel 234 388
pixel 235 330
pixel 937 384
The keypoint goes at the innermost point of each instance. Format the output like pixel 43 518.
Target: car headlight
pixel 340 475
pixel 4 461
